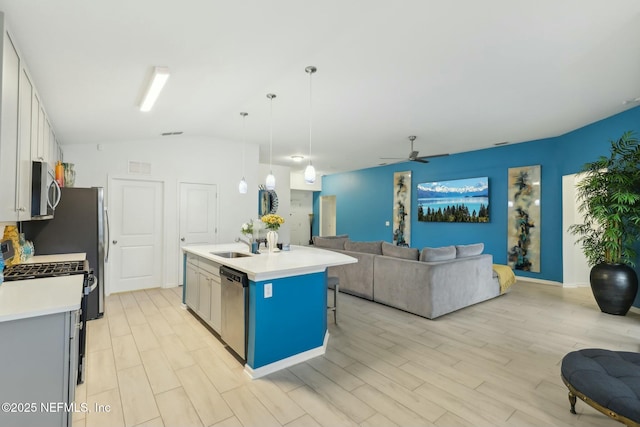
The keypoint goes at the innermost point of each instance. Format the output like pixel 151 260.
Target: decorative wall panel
pixel 523 234
pixel 402 208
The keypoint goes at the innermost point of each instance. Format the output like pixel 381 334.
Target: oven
pixel 38 270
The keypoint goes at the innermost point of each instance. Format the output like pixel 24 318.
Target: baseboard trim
pixel 541 281
pixel 574 285
pixel 289 361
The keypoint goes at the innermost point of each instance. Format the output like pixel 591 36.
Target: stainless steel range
pixel 40 270
pixel 44 269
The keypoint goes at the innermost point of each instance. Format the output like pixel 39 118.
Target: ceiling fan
pixel 413 155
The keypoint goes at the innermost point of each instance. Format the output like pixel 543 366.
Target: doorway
pixel 198 217
pixel 327 215
pixel 299 216
pixel 575 269
pixel 137 216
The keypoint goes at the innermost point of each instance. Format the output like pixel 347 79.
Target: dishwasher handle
pixel 232 275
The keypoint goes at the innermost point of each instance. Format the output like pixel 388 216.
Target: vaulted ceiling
pixel 461 74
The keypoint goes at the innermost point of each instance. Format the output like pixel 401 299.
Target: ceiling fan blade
pixel 413 156
pixel 419 160
pixel 433 156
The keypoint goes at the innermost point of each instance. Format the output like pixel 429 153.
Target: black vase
pixel 614 287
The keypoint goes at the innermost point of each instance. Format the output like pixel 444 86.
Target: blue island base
pixel 288 327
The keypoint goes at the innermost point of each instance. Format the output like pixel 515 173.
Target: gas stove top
pixel 44 269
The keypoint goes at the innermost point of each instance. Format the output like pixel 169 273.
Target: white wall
pixel 298 182
pixel 174 160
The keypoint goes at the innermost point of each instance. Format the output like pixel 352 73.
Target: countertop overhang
pixel 267 265
pixel 21 299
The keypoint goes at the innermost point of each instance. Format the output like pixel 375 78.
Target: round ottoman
pixel 607 380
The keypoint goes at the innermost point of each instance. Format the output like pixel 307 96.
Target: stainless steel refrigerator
pixel 80 224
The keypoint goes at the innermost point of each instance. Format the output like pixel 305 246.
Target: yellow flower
pixel 272 221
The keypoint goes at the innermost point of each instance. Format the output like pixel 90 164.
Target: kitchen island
pixel 286 321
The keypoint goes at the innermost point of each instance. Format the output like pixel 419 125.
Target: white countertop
pixel 264 266
pixel 20 299
pixel 38 297
pixel 78 256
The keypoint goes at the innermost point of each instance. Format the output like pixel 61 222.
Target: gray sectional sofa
pixel 429 283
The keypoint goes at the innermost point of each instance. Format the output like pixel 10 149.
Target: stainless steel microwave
pixel 45 191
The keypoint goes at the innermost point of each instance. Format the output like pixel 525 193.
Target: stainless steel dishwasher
pixel 235 297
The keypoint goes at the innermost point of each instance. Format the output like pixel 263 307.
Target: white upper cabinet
pixel 25 132
pixel 46 133
pixel 9 141
pixel 24 146
pixel 53 148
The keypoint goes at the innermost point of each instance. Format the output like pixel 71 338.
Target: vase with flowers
pixel 272 222
pixel 248 229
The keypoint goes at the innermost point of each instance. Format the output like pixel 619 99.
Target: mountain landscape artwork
pixel 460 200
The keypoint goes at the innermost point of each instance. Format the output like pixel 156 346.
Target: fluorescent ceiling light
pixel 158 80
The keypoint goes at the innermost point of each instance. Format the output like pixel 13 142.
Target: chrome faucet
pixel 246 242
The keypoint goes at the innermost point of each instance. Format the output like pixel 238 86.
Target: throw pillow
pixel 399 251
pixel 365 247
pixel 463 251
pixel 332 242
pixel 444 253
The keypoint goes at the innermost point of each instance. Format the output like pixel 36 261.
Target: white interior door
pixel 327 215
pixel 198 218
pixel 136 208
pixel 301 208
pixel 575 270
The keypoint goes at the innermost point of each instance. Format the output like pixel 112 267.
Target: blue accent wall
pixel 364 198
pixel 292 321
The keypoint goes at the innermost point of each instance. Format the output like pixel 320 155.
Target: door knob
pixel 115 242
pixel 182 239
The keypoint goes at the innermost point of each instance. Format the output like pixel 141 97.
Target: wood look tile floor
pixel 493 364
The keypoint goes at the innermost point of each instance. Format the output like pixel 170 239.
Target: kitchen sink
pixel 230 254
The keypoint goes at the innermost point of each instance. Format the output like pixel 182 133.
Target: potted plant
pixel 609 198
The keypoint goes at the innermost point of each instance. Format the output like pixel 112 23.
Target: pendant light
pixel 270 182
pixel 242 186
pixel 310 171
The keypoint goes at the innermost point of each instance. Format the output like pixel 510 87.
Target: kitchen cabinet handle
pixel 182 239
pixel 58 192
pixel 115 242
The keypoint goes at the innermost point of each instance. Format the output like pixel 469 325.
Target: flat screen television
pixel 459 200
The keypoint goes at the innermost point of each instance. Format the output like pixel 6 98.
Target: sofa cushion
pixel 443 253
pixel 332 242
pixel 365 247
pixel 399 252
pixel 355 279
pixel 337 236
pixel 463 251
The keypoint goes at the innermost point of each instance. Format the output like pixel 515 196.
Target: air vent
pixel 140 168
pixel 171 133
